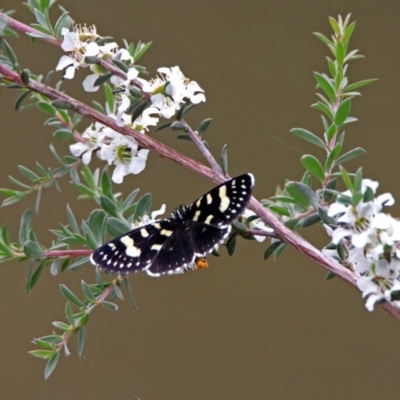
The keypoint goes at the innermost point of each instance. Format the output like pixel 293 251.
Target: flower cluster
pixel 371 239
pixel 163 97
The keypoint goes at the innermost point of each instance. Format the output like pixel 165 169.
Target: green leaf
pixel 340 53
pixel 44 344
pixel 204 126
pixel 184 137
pixel 88 292
pixel 163 126
pixel 64 21
pixel 279 210
pixel 89 236
pixel 109 94
pixel 138 110
pixel 334 25
pixel 310 220
pixel 358 180
pixel 303 194
pixel 231 244
pixel 135 92
pixel 35 277
pixel 106 184
pixel 179 126
pixel 33 250
pixel 10 53
pixel 346 179
pixel 20 100
pixel 323 38
pixel 129 290
pixel 116 228
pixel 325 109
pixel 332 156
pixel 121 66
pixel 331 132
pixel 79 261
pixel 327 191
pixel 44 354
pixel 38 198
pixel 326 219
pixel 102 79
pixel 142 207
pixel 325 84
pixel 129 200
pixel 69 314
pixel 184 110
pixel 63 134
pixel 109 206
pixel 349 31
pixel 97 224
pixel 42 19
pixel 270 250
pixel 72 220
pixel 358 151
pixel 61 104
pixel 308 136
pixel 343 112
pixel 359 84
pixel 330 275
pixel 25 227
pixel 109 306
pixel 71 296
pixel 311 164
pixel 46 108
pixel 55 266
pixel 28 173
pixel 51 365
pixel 81 341
pixel 224 159
pixel 141 50
pixel 342 252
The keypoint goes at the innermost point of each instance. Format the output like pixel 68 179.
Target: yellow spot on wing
pixel 196 215
pixel 224 199
pixel 131 250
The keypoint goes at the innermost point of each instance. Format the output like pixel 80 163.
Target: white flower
pixel 69 65
pixel 80 43
pixel 123 152
pixel 149 219
pixel 169 91
pixel 372 240
pixel 257 224
pixel 125 83
pixel 92 141
pixel 180 87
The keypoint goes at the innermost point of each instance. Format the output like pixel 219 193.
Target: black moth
pixel 171 245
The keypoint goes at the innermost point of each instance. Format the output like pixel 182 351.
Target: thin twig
pixel 196 138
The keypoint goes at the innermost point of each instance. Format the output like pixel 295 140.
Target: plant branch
pixel 285 234
pixel 196 138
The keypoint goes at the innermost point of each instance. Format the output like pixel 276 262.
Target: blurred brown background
pixel 244 329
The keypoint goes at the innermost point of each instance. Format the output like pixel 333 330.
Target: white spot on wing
pixel 156 247
pixel 209 199
pixel 166 232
